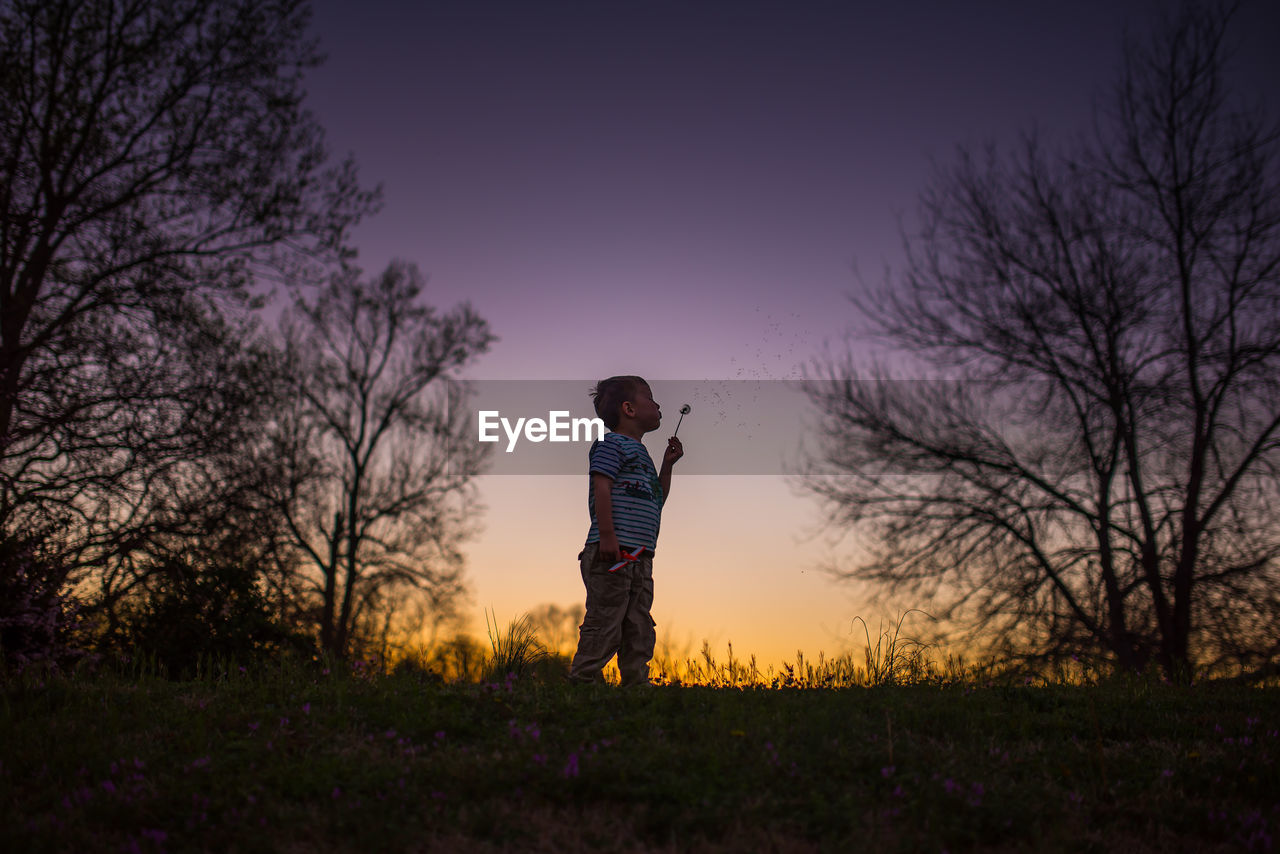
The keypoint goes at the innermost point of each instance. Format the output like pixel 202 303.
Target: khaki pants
pixel 617 619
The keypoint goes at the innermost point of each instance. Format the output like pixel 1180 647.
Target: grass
pixel 303 757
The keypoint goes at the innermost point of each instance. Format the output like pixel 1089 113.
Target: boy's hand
pixel 609 549
pixel 674 451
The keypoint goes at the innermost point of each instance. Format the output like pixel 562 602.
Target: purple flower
pixel 887 771
pixel 571 766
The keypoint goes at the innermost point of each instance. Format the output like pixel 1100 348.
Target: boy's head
pixel 610 394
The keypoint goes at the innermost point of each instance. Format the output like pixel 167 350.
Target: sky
pixel 688 191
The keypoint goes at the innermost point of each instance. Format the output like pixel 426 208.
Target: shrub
pixel 37 616
pixel 211 613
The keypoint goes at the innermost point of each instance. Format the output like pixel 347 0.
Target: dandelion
pixel 684 410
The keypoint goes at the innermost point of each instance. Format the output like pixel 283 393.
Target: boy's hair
pixel 610 394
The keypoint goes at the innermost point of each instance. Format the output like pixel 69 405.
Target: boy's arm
pixel 674 452
pixel 602 494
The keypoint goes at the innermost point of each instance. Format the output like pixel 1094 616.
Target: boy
pixel 625 502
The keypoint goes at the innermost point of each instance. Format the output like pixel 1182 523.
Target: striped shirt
pixel 637 495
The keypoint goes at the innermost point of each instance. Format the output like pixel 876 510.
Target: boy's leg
pixel 601 629
pixel 635 649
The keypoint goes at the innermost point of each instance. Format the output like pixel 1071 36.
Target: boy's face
pixel 648 415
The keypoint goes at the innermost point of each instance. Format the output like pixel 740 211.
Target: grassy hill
pixel 304 758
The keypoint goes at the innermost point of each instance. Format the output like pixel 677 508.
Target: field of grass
pixel 304 757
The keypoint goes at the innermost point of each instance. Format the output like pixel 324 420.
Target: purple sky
pixel 683 190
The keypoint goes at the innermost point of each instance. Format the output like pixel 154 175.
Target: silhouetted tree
pixel 155 161
pixel 557 626
pixel 1094 468
pixel 372 448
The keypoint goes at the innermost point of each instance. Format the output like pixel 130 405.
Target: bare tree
pixel 557 626
pixel 1093 468
pixel 374 470
pixel 155 160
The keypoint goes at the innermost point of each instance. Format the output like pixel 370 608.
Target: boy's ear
pixel 628 409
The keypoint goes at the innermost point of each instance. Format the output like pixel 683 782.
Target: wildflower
pixel 306 708
pixel 337 793
pixel 887 771
pixel 571 766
